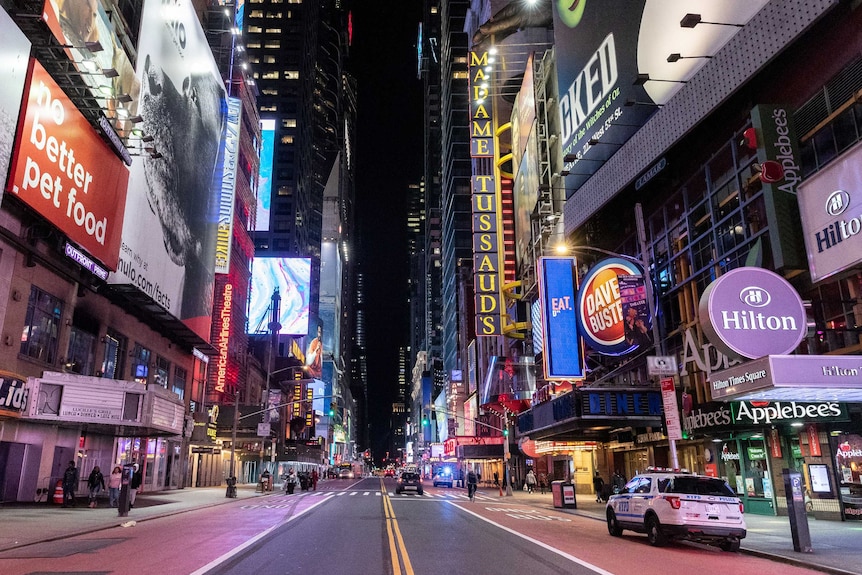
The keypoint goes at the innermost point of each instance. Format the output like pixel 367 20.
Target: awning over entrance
pixel 791 377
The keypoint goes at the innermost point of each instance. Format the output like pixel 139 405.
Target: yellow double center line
pixel 396 542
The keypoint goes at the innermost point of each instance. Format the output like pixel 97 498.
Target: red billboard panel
pixel 65 171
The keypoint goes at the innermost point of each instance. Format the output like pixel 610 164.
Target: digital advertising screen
pixel 292 278
pixel 264 177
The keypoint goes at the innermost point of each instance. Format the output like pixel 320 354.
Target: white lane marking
pixel 236 550
pixel 571 558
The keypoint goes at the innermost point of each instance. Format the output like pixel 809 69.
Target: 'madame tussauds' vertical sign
pixel 487 261
pixel 752 312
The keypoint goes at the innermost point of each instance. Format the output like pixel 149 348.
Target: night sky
pixel 389 159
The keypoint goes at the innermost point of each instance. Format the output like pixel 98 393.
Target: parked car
pixel 409 480
pixel 668 504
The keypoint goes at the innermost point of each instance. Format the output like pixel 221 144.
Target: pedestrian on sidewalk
pixel 618 481
pixel 114 482
pixel 70 484
pixel 496 479
pixel 95 483
pixel 599 486
pixel 531 481
pixel 543 482
pixel 135 484
pixel 314 478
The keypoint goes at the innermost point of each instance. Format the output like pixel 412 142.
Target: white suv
pixel 667 504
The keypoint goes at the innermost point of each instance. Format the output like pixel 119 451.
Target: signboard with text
pixel 563 357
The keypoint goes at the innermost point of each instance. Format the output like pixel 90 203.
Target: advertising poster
pixel 171 224
pixel 600 309
pixel 637 320
pixel 14 57
pixel 63 169
pixel 526 192
pixel 291 277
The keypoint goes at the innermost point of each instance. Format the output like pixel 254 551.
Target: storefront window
pixel 756 474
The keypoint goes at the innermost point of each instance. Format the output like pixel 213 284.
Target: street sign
pixel 263 429
pixel 661 365
pixel 671 410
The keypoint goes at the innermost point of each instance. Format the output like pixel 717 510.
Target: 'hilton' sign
pixel 752 312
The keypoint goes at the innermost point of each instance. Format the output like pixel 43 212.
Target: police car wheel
pixel 654 533
pixel 730 545
pixel 613 525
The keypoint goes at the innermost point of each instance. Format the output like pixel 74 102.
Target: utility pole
pixel 274 328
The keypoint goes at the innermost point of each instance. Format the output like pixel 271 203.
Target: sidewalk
pixel 836 544
pixel 27 523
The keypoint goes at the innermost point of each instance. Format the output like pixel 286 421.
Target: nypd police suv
pixel 671 504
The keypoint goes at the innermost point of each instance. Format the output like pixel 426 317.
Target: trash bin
pixel 231 487
pixel 568 495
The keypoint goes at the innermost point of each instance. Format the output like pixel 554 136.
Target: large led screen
pixel 558 292
pixel 292 278
pixel 14 57
pixel 65 171
pixel 264 178
pixel 171 224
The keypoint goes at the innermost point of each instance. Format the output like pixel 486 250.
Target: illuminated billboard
pixel 90 41
pixel 65 171
pixel 562 349
pixel 15 54
pixel 614 69
pixel 264 177
pixel 228 187
pixel 292 278
pixel 171 224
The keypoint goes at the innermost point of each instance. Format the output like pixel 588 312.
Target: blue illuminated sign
pixel 563 356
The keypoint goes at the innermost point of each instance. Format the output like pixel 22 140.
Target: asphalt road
pixel 362 527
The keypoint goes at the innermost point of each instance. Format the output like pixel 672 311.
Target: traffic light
pixel 505 433
pixel 331 409
pixel 424 419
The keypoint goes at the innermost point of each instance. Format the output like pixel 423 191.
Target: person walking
pixel 314 478
pixel 543 482
pixel 472 483
pixel 496 479
pixel 70 484
pixel 530 481
pixel 114 482
pixel 599 486
pixel 290 481
pixel 95 483
pixel 135 484
pixel 618 481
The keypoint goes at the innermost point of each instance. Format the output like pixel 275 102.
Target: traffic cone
pixel 58 494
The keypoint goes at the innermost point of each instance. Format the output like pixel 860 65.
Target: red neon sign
pixel 224 337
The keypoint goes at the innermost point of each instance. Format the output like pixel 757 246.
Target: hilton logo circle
pixel 600 308
pixel 752 312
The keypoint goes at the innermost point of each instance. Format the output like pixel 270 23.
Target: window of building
pixel 39 339
pixel 163 368
pixel 285 190
pixel 269 92
pixel 81 357
pixel 460 75
pixel 255 14
pixel 140 367
pixel 288 122
pixel 179 385
pixel 254 29
pixel 287 139
pixel 291 74
pixel 273 30
pixel 115 353
pixel 272 108
pixel 269 59
pixel 273 75
pixel 281 224
pixel 274 44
